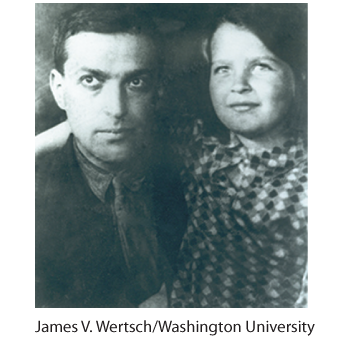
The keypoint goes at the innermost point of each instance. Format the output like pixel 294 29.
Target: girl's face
pixel 250 88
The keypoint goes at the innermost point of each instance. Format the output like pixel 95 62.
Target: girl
pixel 246 240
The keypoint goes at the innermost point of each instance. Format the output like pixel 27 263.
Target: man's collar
pixel 100 180
pixel 97 178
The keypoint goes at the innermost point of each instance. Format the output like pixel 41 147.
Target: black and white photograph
pixel 156 176
pixel 171 156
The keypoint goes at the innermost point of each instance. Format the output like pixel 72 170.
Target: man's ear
pixel 56 85
pixel 205 49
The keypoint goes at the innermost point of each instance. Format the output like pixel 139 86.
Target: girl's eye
pixel 221 69
pixel 261 68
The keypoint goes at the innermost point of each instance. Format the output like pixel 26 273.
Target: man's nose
pixel 240 82
pixel 115 101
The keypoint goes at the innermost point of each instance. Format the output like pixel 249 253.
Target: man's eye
pixel 140 83
pixel 137 82
pixel 90 81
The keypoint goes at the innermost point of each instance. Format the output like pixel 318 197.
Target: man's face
pixel 108 91
pixel 251 89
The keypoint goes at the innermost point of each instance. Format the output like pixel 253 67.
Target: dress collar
pixel 220 156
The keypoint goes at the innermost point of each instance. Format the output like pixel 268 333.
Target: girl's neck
pixel 268 141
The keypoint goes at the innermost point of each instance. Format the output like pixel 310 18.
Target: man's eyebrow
pixel 132 73
pixel 139 72
pixel 95 72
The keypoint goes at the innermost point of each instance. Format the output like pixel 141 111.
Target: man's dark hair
pixel 102 18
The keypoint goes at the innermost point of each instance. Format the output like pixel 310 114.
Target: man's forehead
pixel 92 48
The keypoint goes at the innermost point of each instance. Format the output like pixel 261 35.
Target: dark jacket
pixel 79 261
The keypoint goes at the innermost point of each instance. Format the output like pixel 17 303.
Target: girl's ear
pixel 303 76
pixel 56 85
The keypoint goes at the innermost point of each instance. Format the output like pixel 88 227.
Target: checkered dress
pixel 246 240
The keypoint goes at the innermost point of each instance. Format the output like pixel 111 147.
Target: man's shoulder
pixel 48 160
pixel 52 165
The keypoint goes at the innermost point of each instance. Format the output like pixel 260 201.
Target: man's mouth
pixel 117 130
pixel 117 133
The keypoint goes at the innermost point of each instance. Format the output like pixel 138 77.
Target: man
pixel 102 214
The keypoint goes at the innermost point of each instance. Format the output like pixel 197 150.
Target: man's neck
pixel 131 168
pixel 102 166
